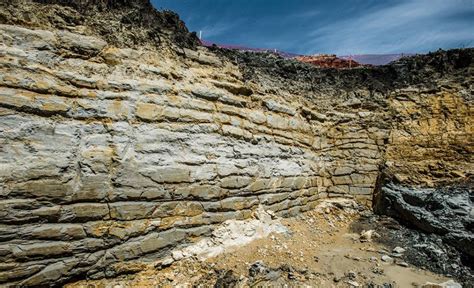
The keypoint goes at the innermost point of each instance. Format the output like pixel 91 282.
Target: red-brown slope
pixel 328 61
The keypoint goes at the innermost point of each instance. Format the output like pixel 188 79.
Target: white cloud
pixel 408 26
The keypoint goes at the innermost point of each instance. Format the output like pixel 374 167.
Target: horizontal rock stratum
pixel 118 146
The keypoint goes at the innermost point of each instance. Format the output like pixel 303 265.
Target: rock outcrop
pixel 121 23
pixel 116 148
pixel 446 211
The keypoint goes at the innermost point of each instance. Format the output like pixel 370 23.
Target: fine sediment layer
pixel 113 153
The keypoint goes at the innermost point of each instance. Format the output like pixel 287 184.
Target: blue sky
pixel 335 26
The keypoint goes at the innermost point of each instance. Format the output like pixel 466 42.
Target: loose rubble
pixel 320 248
pixel 232 233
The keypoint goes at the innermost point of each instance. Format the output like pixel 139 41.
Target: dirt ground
pixel 321 249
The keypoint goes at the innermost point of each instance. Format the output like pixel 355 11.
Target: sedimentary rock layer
pixel 111 156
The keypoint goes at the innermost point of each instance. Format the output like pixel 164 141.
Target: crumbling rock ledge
pixel 122 23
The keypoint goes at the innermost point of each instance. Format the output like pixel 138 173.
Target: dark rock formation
pixel 425 250
pixel 447 210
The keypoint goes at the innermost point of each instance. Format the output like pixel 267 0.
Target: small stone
pixel 403 264
pixel 387 258
pixel 177 255
pixel 291 276
pixel 164 263
pixel 353 283
pixel 398 250
pixel 258 268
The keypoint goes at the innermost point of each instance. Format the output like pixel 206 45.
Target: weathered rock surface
pixel 120 22
pixel 420 249
pixel 115 150
pixel 447 211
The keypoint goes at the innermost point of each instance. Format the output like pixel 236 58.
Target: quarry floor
pixel 331 246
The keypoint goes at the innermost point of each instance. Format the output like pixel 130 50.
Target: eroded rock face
pixel 123 23
pixel 447 211
pixel 113 154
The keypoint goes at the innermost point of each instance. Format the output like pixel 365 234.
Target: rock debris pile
pixel 321 248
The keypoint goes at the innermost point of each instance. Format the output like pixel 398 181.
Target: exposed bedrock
pixel 447 211
pixel 122 23
pixel 114 152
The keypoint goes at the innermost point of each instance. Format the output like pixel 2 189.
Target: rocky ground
pixel 339 244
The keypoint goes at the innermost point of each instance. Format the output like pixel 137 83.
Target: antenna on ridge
pixel 200 34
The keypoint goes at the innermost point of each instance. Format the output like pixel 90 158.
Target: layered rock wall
pixel 112 156
pixel 432 140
